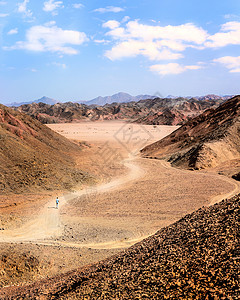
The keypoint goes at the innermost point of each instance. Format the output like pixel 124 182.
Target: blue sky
pixel 78 50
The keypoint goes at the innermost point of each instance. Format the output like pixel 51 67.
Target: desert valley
pixel 119 150
pixel 148 200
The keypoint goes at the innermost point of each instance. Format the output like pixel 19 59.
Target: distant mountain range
pixel 44 99
pixel 155 111
pixel 118 98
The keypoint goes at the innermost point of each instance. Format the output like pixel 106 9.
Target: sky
pixel 78 50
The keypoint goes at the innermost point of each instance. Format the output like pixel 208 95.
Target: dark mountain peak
pixel 46 100
pixel 119 97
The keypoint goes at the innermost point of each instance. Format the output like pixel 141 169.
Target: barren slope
pixel 33 157
pixel 205 141
pixel 195 258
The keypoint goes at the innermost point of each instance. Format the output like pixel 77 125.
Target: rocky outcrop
pixel 165 117
pixel 205 141
pixel 195 258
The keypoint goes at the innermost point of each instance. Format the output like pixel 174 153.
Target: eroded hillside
pixel 156 111
pixel 33 157
pixel 206 141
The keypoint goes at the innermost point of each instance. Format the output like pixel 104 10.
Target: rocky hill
pixel 214 97
pixel 174 111
pixel 33 157
pixel 150 111
pixel 164 117
pixel 206 141
pixel 44 99
pixel 195 258
pixel 119 98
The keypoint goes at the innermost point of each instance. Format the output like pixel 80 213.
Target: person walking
pixel 57 202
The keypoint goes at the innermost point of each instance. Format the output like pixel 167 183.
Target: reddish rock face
pixel 205 141
pixel 14 125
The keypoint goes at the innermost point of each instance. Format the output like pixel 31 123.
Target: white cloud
pixel 51 39
pixel 184 33
pixel 22 8
pixel 133 48
pixel 51 6
pixel 78 5
pixel 112 24
pixel 230 62
pixel 109 9
pixel 3 15
pixel 172 68
pixel 155 42
pixel 125 19
pixel 50 23
pixel 60 65
pixel 105 42
pixel 228 35
pixel 3 3
pixel 232 16
pixel 13 31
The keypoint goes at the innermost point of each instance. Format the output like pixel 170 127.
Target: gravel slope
pixel 195 258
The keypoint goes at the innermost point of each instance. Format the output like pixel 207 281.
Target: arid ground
pixel 132 198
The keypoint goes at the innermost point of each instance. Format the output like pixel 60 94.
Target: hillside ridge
pixel 33 157
pixel 155 111
pixel 205 141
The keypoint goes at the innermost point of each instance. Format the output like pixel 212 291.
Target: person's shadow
pixel 52 207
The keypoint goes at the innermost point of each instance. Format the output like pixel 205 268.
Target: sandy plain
pixel 131 198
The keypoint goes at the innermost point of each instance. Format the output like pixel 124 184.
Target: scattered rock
pixel 195 258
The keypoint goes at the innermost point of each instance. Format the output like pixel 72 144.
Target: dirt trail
pixel 125 243
pixel 48 226
pixel 106 245
pixel 218 198
pixel 236 191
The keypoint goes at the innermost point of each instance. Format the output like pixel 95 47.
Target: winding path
pixel 48 226
pixel 218 198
